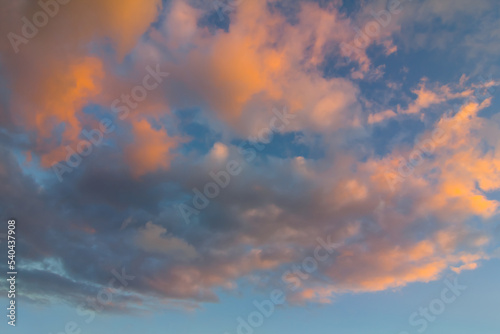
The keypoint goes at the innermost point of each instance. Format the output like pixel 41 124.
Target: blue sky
pixel 346 152
pixel 378 313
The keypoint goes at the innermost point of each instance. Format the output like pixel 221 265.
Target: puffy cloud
pixel 270 216
pixel 381 116
pixel 261 63
pixel 55 74
pixel 154 238
pixel 150 150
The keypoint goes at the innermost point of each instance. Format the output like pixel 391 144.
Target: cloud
pixel 262 62
pixel 151 149
pixel 154 239
pixel 226 83
pixel 381 116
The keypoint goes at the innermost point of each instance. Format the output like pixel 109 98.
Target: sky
pixel 251 166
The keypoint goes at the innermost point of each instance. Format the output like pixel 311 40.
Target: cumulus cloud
pixel 222 88
pixel 154 238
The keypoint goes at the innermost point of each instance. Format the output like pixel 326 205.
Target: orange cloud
pixel 264 62
pixel 381 116
pixel 61 98
pixel 150 150
pixel 53 76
